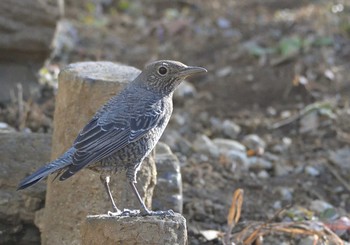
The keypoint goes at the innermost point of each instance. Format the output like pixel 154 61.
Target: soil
pixel 267 61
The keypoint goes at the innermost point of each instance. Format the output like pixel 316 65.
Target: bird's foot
pixel 125 213
pixel 116 212
pixel 158 213
pixel 130 213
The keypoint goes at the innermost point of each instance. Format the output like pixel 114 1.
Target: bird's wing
pixel 100 137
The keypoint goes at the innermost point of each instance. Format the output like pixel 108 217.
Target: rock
pixel 223 23
pixel 27 29
pixel 20 155
pixel 205 145
pixel 176 141
pixel 5 128
pixel 225 71
pixel 307 240
pixel 320 206
pixel 259 163
pixel 254 142
pixel 185 90
pixel 286 193
pixel 230 129
pixel 168 190
pixel 263 174
pixel 281 169
pixel 341 157
pixel 284 146
pixel 228 145
pixel 237 157
pixel 156 230
pixel 312 171
pixel 171 137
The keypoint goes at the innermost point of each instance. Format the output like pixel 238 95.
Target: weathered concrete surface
pixel 155 230
pixel 168 191
pixel 20 155
pixel 26 31
pixel 83 88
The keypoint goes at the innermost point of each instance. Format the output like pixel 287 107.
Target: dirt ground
pixel 277 69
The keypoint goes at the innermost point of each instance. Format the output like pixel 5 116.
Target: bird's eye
pixel 162 70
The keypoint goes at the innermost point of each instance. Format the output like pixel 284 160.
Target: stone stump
pixel 20 155
pixel 154 230
pixel 83 88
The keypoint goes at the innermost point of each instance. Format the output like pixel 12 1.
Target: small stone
pixel 185 90
pixel 271 111
pixel 263 174
pixel 230 129
pixel 286 114
pixel 179 119
pixel 286 193
pixel 320 206
pixel 205 145
pixel 308 240
pixel 237 157
pixel 5 128
pixel 184 146
pixel 223 23
pixel 225 145
pixel 171 138
pixel 312 171
pixel 254 142
pixel 216 124
pixel 259 163
pixel 277 205
pixel 341 157
pixel 223 72
pixel 281 169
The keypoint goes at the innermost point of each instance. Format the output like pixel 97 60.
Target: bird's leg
pixel 105 181
pixel 145 210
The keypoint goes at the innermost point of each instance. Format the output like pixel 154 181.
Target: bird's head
pixel 166 75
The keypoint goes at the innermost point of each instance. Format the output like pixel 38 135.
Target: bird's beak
pixel 191 70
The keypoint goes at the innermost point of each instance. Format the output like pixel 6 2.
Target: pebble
pixel 204 145
pixel 320 206
pixel 185 90
pixel 223 72
pixel 5 128
pixel 254 142
pixel 259 163
pixel 171 137
pixel 281 169
pixel 225 145
pixel 307 240
pixel 230 129
pixel 284 146
pixel 223 23
pixel 263 174
pixel 286 193
pixel 312 171
pixel 237 157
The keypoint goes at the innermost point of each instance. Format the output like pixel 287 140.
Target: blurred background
pixel 271 116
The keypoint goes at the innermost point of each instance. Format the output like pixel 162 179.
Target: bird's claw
pixel 133 213
pixel 124 213
pixel 159 213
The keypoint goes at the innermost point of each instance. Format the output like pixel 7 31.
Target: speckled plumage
pixel 125 130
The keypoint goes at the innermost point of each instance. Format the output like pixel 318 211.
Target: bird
pixel 124 131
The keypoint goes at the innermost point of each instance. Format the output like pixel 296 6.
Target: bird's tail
pixel 56 165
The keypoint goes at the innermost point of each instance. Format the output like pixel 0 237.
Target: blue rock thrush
pixel 124 130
